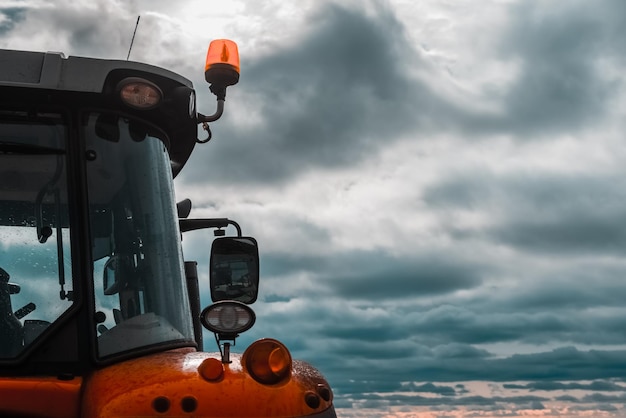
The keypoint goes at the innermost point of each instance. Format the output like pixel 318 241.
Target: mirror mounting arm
pixel 194 224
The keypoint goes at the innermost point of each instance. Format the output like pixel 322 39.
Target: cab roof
pixel 93 82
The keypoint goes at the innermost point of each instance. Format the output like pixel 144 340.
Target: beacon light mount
pixel 220 71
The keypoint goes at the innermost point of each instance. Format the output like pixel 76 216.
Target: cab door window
pixel 36 285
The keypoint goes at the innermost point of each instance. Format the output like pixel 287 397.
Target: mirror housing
pixel 116 273
pixel 234 269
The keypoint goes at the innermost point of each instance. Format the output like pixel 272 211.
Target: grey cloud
pixel 559 364
pixel 394 350
pixel 600 397
pixel 343 92
pixel 596 386
pixel 94 31
pixel 581 286
pixel 589 233
pixel 539 212
pixel 432 388
pixel 438 343
pixel 9 17
pixel 566 363
pixel 567 398
pixel 608 408
pixel 536 404
pixel 561 87
pixel 366 332
pixel 462 363
pixel 329 100
pixel 592 407
pixel 378 350
pixel 366 386
pixel 375 400
pixel 271 298
pixel 99 28
pixel 447 324
pixel 542 214
pixel 561 310
pixel 461 388
pixel 459 350
pixel 376 275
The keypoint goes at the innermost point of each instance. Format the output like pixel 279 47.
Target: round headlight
pixel 139 93
pixel 228 317
pixel 268 361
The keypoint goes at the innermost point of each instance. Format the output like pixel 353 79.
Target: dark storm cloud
pixel 539 212
pixel 328 100
pixel 563 364
pixel 342 93
pixel 99 29
pixel 581 286
pixel 532 402
pixel 591 408
pixel 597 386
pixel 9 17
pixel 378 350
pixel 600 397
pixel 376 274
pixel 581 307
pixel 560 364
pixel 345 90
pixel 561 308
pixel 437 343
pixel 367 332
pixel 446 324
pixel 431 388
pixel 308 120
pixel 563 85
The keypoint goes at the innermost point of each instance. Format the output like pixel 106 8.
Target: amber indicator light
pixel 268 361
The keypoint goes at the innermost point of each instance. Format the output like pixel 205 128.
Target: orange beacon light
pixel 222 63
pixel 221 70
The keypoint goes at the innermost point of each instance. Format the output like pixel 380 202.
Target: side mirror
pixel 234 269
pixel 115 274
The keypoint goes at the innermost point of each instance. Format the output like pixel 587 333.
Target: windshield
pixel 140 291
pixel 35 260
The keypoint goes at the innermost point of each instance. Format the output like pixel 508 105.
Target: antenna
pixel 133 40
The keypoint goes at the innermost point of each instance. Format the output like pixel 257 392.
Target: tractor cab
pixel 99 312
pixel 88 223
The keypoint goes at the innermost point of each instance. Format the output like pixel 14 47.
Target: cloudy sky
pixel 438 187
